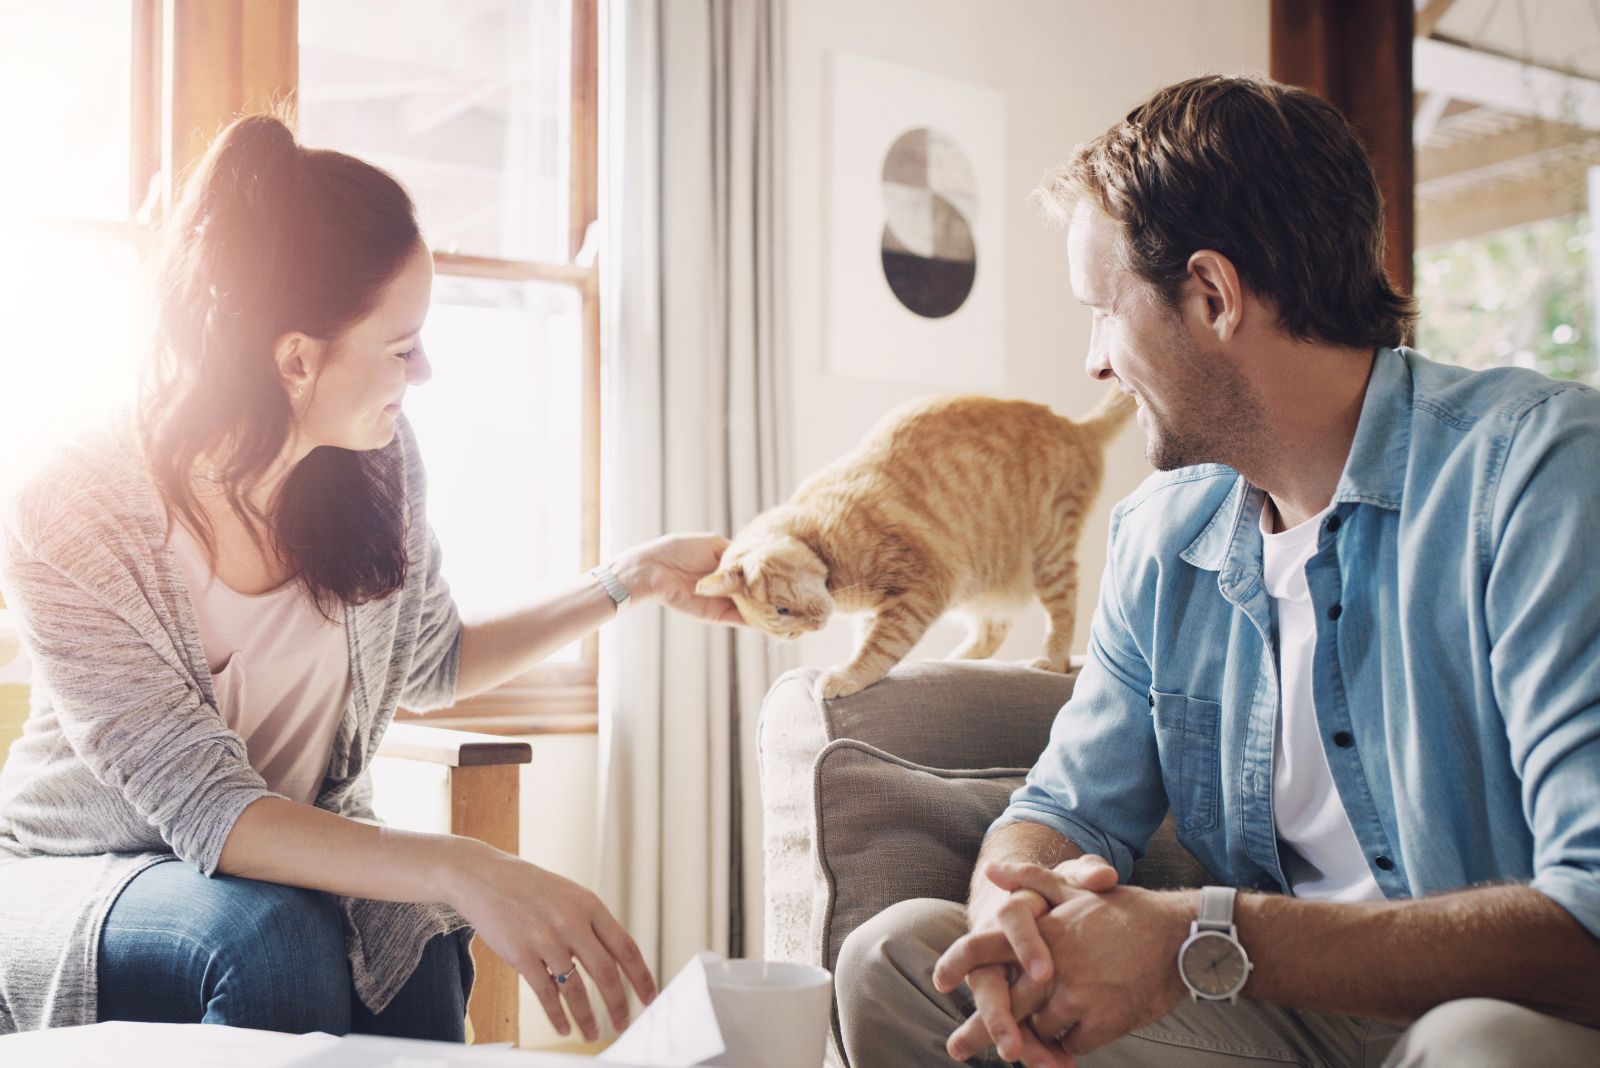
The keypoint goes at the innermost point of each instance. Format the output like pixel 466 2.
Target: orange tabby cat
pixel 968 503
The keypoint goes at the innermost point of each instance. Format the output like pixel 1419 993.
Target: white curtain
pixel 692 425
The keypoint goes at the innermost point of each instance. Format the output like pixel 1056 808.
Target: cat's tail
pixel 1108 416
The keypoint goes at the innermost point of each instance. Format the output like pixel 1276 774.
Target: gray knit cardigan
pixel 124 760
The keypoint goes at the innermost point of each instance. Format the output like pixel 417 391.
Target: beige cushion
pixel 950 714
pixel 888 829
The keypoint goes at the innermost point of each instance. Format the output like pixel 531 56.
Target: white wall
pixel 1069 68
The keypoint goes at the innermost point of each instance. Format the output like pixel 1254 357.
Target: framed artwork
pixel 916 206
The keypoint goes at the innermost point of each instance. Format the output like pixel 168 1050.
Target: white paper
pixel 119 1044
pixel 373 1051
pixel 676 1030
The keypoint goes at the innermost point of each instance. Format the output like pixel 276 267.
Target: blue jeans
pixel 180 948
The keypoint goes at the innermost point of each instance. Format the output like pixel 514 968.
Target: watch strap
pixel 1216 908
pixel 611 584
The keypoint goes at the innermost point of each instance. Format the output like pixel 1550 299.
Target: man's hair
pixel 1268 175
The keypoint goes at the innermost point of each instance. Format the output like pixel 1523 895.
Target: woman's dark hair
pixel 269 237
pixel 1268 175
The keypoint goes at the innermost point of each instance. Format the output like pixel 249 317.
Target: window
pixel 486 111
pixel 1518 297
pixel 1507 136
pixel 79 158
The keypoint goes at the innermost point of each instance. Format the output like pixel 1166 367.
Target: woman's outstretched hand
pixel 544 926
pixel 666 570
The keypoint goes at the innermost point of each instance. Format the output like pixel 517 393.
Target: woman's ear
pixel 298 358
pixel 722 582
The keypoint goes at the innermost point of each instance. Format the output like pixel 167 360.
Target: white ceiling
pixel 1560 34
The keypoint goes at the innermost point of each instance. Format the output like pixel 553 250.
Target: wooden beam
pixel 583 208
pixel 1500 205
pixel 450 746
pixel 1357 54
pixel 484 804
pixel 1536 140
pixel 517 722
pixel 589 463
pixel 145 121
pixel 1428 18
pixel 1427 117
pixel 269 47
pixel 1506 84
pixel 584 168
pixel 513 270
pixel 225 58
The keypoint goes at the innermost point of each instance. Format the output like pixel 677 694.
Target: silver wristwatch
pixel 612 585
pixel 1213 964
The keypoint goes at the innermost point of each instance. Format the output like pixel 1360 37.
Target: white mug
pixel 773 1014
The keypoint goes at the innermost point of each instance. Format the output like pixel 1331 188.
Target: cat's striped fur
pixel 961 503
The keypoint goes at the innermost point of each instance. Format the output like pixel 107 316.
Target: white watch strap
pixel 611 584
pixel 1216 908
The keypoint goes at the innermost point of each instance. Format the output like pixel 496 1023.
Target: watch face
pixel 1214 964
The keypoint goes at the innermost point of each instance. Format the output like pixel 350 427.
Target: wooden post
pixel 484 796
pixel 1356 54
pixel 583 209
pixel 483 805
pixel 227 58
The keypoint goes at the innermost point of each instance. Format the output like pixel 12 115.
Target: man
pixel 1349 632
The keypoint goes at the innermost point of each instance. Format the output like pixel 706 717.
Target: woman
pixel 225 599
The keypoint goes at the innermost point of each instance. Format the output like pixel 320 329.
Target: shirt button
pixel 1333 524
pixel 1384 863
pixel 1343 739
pixel 1335 612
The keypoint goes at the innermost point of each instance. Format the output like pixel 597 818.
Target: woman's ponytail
pixel 270 237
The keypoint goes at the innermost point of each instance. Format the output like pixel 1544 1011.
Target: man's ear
pixel 1215 283
pixel 721 582
pixel 298 358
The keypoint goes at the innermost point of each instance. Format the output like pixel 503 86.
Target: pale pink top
pixel 280 669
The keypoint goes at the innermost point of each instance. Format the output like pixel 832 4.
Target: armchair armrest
pixel 450 747
pixel 485 795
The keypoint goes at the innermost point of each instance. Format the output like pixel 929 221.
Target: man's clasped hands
pixel 1065 961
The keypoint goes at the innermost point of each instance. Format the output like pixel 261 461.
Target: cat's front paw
pixel 831 684
pixel 1044 663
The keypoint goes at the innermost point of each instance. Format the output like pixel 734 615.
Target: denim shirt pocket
pixel 1187 731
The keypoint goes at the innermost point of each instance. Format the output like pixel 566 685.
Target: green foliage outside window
pixel 1517 297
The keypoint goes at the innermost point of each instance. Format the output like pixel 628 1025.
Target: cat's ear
pixel 721 582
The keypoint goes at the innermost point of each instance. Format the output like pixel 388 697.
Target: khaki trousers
pixel 892 1016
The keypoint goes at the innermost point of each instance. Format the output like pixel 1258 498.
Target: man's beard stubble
pixel 1219 412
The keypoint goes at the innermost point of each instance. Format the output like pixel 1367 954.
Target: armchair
pixel 886 795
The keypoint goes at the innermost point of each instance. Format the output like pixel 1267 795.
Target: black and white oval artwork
pixel 930 196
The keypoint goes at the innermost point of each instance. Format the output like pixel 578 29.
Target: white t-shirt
pixel 1320 855
pixel 280 669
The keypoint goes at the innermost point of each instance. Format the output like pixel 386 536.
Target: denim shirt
pixel 1456 671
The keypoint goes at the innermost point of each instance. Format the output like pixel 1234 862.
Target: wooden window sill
pixel 515 711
